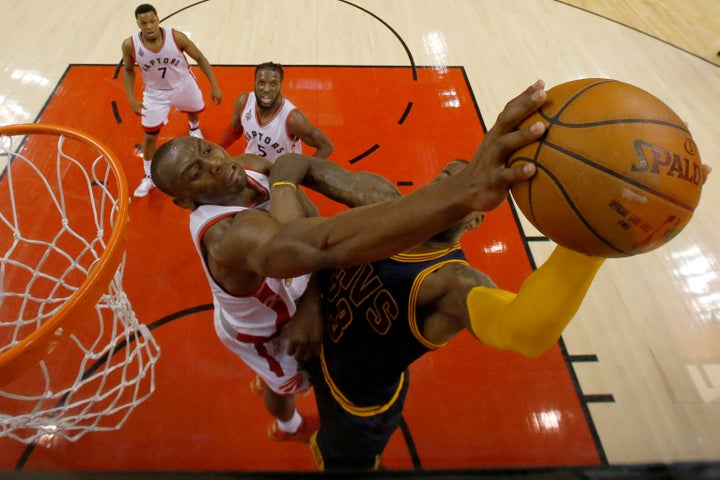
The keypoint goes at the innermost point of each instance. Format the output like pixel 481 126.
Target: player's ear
pixel 185 203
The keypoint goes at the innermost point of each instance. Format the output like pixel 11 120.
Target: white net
pixel 73 356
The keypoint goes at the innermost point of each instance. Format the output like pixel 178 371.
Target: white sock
pixel 146 166
pixel 292 425
pixel 195 125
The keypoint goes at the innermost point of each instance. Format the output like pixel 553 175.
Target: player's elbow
pixel 531 351
pixel 527 344
pixel 326 148
pixel 380 192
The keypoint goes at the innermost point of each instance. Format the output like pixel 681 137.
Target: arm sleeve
pixel 532 320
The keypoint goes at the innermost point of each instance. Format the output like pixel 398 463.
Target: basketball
pixel 618 172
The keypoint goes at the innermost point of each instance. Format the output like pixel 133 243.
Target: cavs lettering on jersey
pixel 269 140
pixel 164 69
pixel 256 316
pixel 373 329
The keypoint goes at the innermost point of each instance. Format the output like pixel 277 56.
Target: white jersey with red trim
pixel 164 69
pixel 271 139
pixel 259 315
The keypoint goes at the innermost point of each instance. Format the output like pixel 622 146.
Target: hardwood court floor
pixel 692 26
pixel 635 380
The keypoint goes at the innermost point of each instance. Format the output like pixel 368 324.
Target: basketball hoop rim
pixel 14 359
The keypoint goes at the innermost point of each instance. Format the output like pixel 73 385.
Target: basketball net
pixel 73 356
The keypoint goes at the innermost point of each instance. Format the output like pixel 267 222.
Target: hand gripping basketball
pixel 618 172
pixel 489 165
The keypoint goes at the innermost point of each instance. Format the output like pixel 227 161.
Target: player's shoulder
pixel 296 118
pixel 128 51
pixel 242 99
pixel 180 38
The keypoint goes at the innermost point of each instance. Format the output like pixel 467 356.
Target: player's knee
pixel 151 137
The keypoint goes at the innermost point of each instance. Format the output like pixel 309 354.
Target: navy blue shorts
pixel 347 441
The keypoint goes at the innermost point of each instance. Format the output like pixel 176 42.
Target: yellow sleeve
pixel 532 320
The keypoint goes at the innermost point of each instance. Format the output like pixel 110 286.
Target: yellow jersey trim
pixel 412 303
pixel 349 406
pixel 424 257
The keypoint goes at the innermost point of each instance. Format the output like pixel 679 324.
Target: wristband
pixel 290 184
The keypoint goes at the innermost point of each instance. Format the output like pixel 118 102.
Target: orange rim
pixel 37 344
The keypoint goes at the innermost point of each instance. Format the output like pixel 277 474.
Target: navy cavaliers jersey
pixel 372 330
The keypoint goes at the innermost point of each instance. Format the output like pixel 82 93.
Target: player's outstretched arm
pixel 369 233
pixel 499 143
pixel 364 188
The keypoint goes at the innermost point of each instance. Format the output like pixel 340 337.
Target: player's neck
pixel 249 197
pixel 266 113
pixel 155 43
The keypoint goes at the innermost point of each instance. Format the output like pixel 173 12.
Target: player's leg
pixel 156 109
pixel 188 99
pixel 282 378
pixel 149 148
pixel 347 440
pixel 289 425
pixel 194 125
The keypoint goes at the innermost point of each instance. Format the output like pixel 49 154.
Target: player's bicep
pixel 298 126
pixel 238 107
pixel 186 45
pixel 128 55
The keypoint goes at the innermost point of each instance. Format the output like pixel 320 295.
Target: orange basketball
pixel 618 172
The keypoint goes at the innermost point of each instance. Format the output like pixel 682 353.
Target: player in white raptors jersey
pixel 252 326
pixel 271 139
pixel 271 124
pixel 160 55
pixel 252 312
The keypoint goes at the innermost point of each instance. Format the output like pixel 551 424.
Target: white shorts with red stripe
pixel 266 356
pixel 187 97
